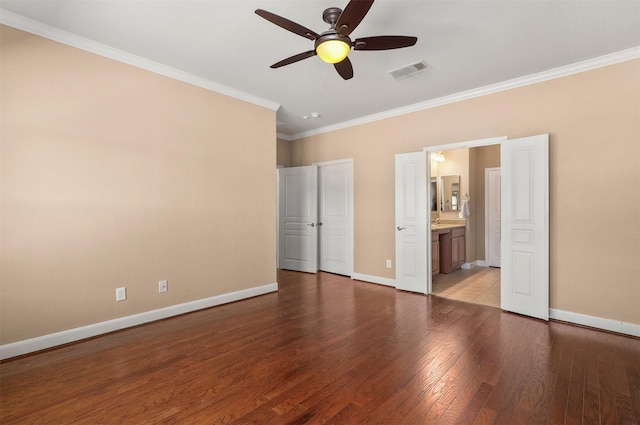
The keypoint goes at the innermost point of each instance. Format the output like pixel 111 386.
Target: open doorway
pixel 465 207
pixel 524 224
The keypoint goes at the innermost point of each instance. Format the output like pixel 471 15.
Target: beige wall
pixel 593 119
pixel 283 153
pixel 114 176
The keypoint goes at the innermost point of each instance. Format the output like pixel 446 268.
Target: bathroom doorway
pixel 462 195
pixel 524 223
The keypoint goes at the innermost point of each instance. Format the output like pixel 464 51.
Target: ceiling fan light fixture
pixel 333 48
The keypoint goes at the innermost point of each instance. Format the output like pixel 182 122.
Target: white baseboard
pixel 47 341
pixel 374 279
pixel 469 266
pixel 565 316
pixel 595 322
pixel 482 263
pixel 64 337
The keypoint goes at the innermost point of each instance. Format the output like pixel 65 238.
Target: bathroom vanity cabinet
pixel 448 248
pixel 435 253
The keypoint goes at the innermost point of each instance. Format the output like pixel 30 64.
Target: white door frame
pixel 351 204
pixel 487 217
pixel 540 202
pixel 278 216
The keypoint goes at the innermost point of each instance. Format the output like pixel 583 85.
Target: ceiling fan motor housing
pixel 331 35
pixel 331 15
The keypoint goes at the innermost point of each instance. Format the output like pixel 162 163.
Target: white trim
pixel 35 27
pixel 47 341
pixel 468 266
pixel 285 137
pixel 595 322
pixel 334 162
pixel 563 71
pixel 374 279
pixel 468 144
pixel 482 263
pixel 486 202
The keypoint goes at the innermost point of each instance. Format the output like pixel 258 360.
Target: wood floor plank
pixel 561 387
pixel 608 414
pixel 327 349
pixel 472 410
pixel 633 378
pixel 576 396
pixel 591 411
pixel 508 388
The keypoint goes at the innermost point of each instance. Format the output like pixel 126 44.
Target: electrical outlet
pixel 121 294
pixel 163 286
pixel 388 264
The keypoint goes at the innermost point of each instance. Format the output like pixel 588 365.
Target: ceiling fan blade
pixel 352 15
pixel 384 42
pixel 294 58
pixel 287 24
pixel 344 68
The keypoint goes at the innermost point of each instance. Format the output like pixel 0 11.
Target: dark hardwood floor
pixel 326 349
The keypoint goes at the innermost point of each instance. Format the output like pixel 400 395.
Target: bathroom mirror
pixel 450 193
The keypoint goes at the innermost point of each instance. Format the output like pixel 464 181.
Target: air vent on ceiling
pixel 409 70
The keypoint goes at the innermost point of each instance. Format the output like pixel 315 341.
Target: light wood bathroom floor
pixel 479 285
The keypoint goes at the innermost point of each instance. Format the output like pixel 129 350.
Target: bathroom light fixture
pixel 437 156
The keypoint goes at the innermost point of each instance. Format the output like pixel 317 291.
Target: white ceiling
pixel 468 44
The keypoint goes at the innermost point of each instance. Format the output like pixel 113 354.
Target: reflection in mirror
pixel 450 193
pixel 434 195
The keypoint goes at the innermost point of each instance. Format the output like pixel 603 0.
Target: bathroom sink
pixel 444 226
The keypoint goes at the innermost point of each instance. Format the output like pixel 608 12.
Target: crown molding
pixel 35 27
pixel 563 71
pixel 286 137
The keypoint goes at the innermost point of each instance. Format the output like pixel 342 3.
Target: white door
pixel 524 277
pixel 335 199
pixel 298 210
pixel 412 249
pixel 492 216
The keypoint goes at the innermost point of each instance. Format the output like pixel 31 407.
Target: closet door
pixel 298 218
pixel 335 199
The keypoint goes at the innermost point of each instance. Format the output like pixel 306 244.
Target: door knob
pixel 319 224
pixel 311 224
pixel 400 228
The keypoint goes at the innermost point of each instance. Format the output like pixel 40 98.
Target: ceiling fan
pixel 333 46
